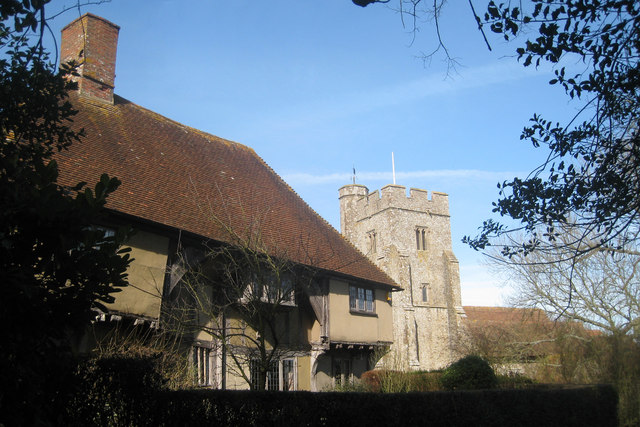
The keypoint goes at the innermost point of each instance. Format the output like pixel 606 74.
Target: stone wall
pixel 409 237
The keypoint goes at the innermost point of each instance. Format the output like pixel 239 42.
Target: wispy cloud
pixel 465 174
pixel 384 97
pixel 435 84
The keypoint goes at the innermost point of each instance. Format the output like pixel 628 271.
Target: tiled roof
pixel 189 180
pixel 504 315
pixel 496 317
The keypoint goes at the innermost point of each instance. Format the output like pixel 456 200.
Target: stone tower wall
pixel 383 225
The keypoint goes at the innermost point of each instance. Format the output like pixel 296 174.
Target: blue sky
pixel 317 87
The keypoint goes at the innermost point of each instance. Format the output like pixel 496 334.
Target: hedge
pixel 580 406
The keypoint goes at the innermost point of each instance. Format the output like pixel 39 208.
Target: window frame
pixel 421 238
pixel 276 380
pixel 372 243
pixel 283 294
pixel 425 293
pixel 362 300
pixel 342 371
pixel 204 360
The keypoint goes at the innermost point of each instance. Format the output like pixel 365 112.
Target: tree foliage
pixel 56 267
pixel 588 187
pixel 589 181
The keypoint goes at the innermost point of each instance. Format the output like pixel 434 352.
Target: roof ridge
pixel 160 117
pixel 155 156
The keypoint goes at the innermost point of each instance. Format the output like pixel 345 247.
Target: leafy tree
pixel 589 181
pixel 588 188
pixel 55 265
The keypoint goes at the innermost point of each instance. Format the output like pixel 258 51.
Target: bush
pixel 469 373
pixel 387 381
pixel 113 391
pixel 425 381
pixel 371 380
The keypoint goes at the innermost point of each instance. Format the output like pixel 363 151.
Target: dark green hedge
pixel 582 406
pixel 469 373
pixel 129 392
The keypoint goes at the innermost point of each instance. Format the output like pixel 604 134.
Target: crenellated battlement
pixel 407 233
pixel 395 196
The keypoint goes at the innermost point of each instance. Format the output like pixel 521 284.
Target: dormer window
pixel 421 238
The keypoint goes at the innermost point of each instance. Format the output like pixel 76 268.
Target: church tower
pixel 409 237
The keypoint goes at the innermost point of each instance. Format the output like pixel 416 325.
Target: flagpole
pixel 393 167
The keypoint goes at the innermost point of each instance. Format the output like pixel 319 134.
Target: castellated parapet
pixel 409 237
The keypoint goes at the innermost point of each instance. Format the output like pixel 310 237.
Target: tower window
pixel 425 292
pixel 371 240
pixel 421 238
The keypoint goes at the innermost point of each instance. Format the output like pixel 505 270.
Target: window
pixel 288 375
pixel 108 232
pixel 103 235
pixel 352 297
pixel 276 292
pixel 369 299
pixel 286 287
pixel 256 288
pixel 281 375
pixel 204 363
pixel 371 241
pixel 342 372
pixel 361 300
pixel 425 292
pixel 272 375
pixel 280 292
pixel 421 238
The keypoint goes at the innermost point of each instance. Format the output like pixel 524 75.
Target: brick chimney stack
pixel 92 41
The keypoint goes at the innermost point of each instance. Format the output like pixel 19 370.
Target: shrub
pixel 371 380
pixel 112 391
pixel 425 381
pixel 387 381
pixel 469 373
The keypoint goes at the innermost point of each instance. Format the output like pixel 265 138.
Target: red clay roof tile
pixel 184 178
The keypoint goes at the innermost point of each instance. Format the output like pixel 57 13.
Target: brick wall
pixel 92 42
